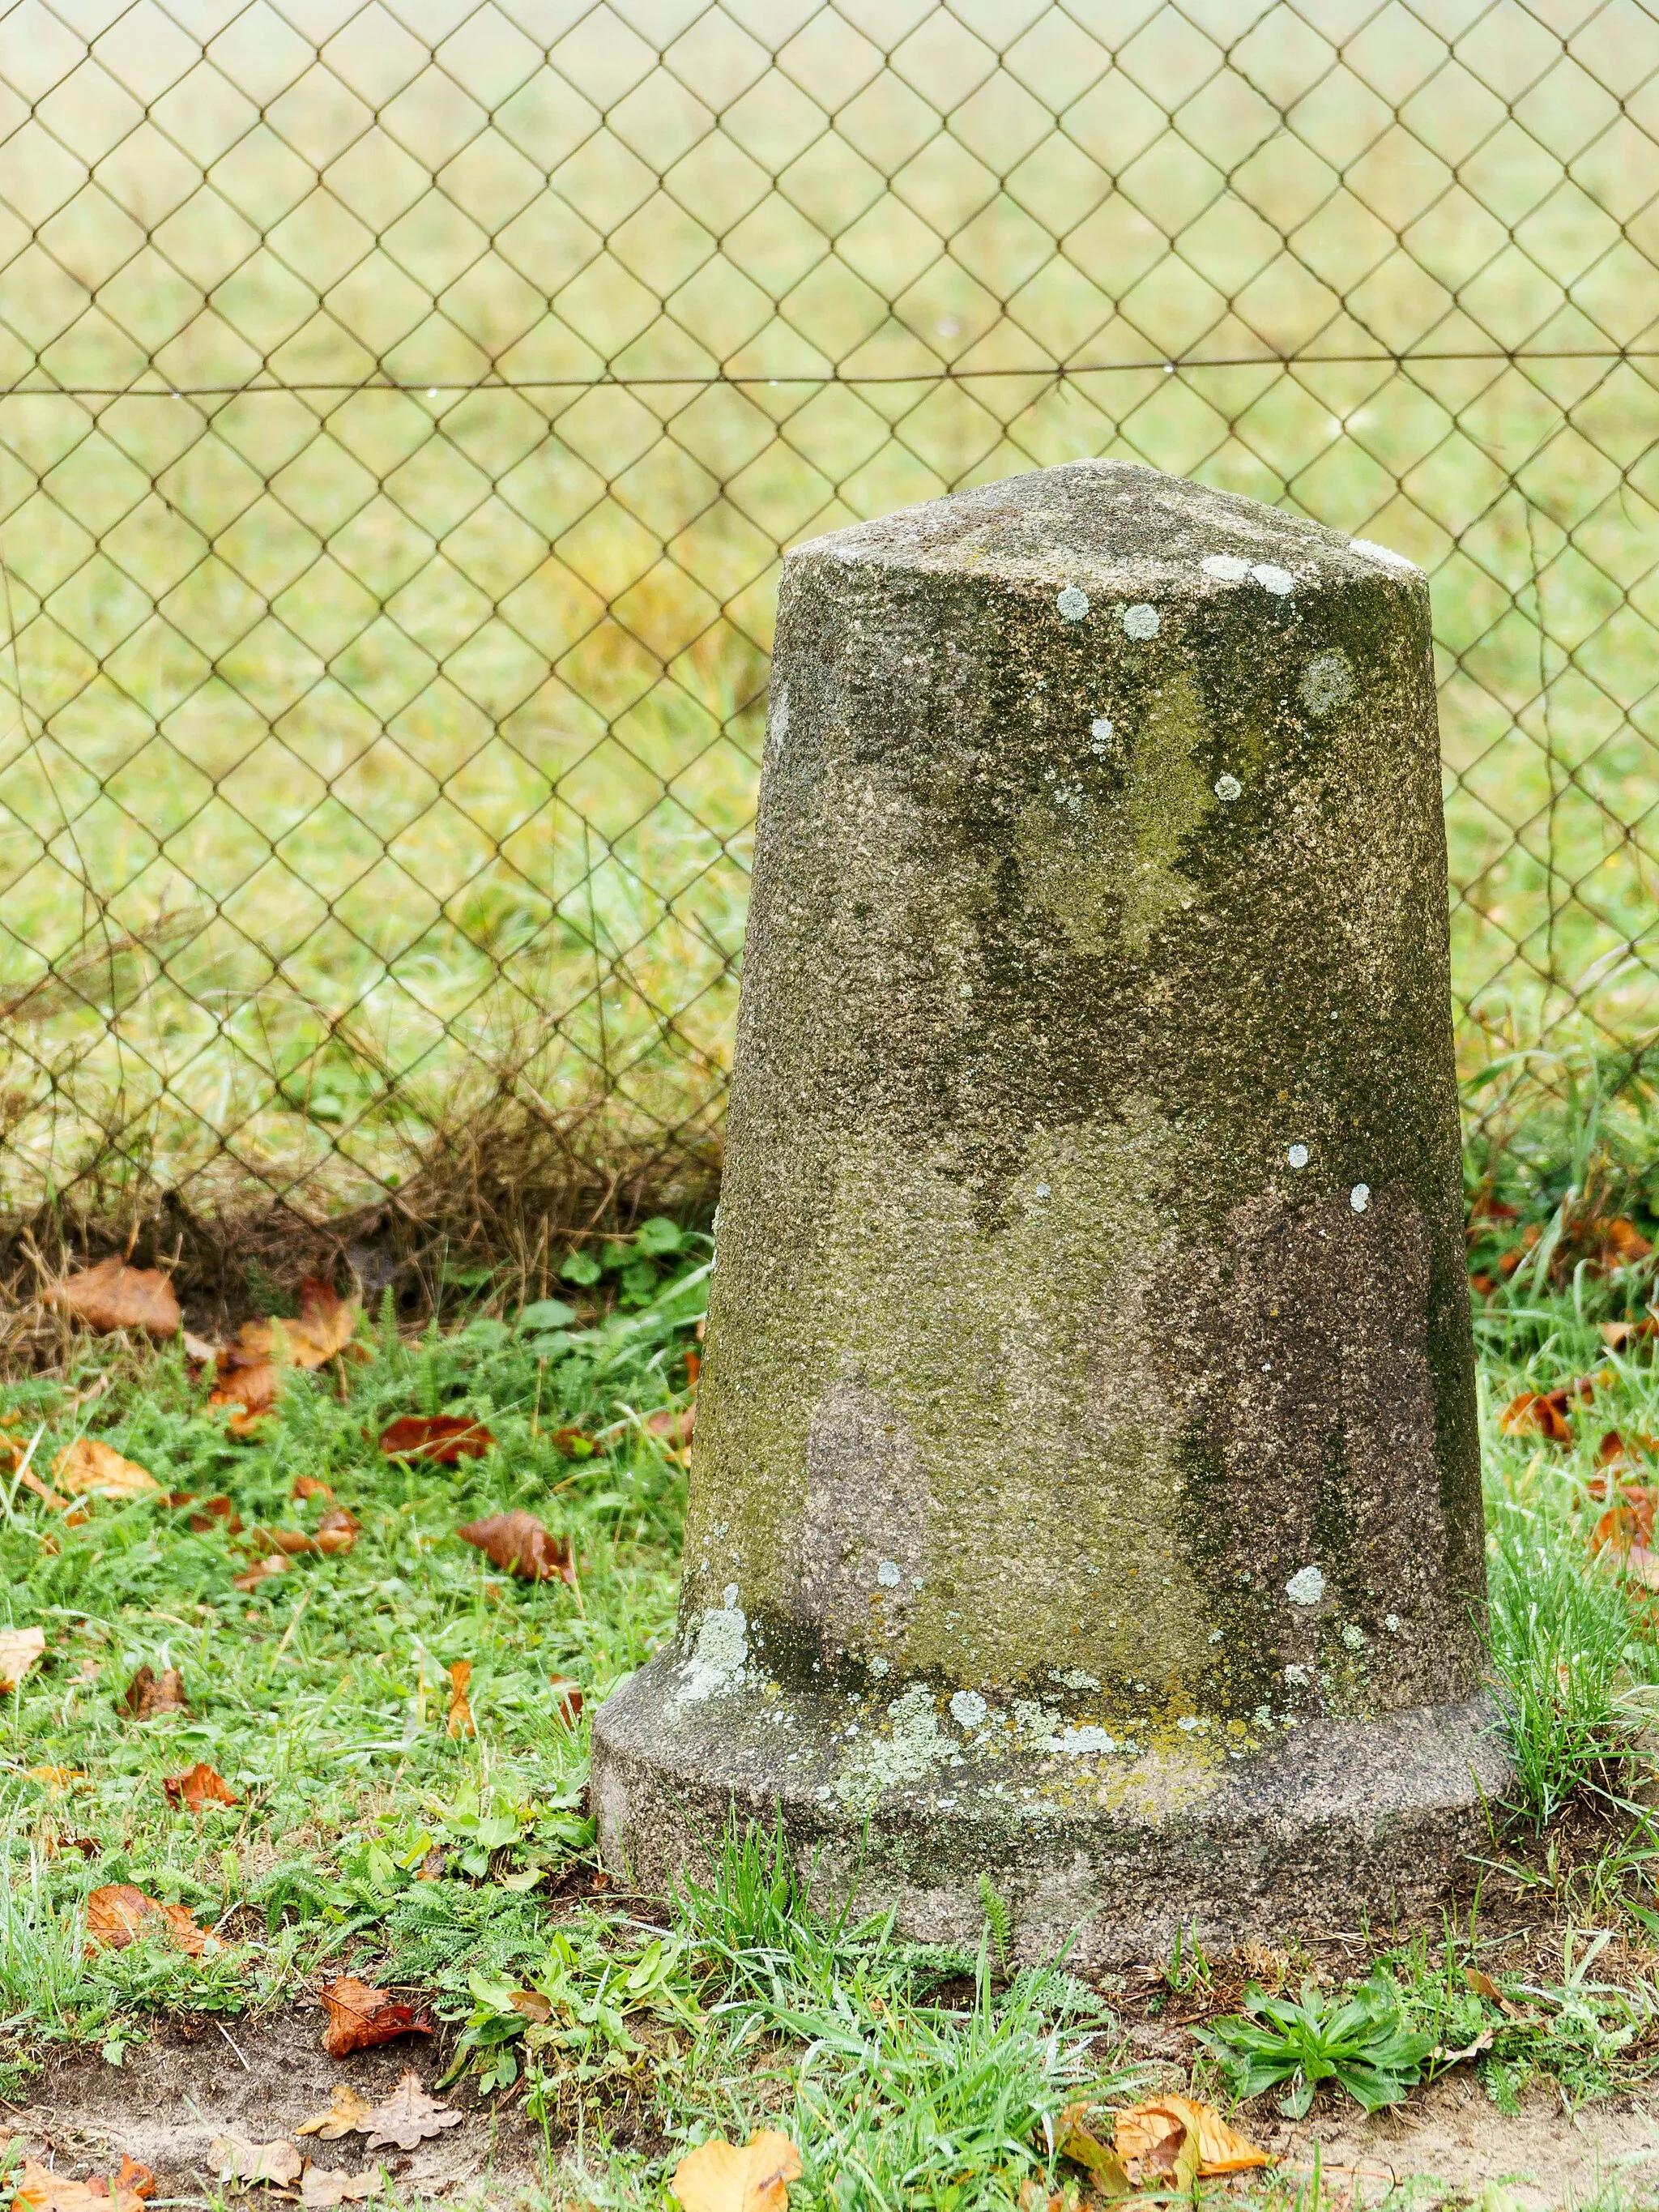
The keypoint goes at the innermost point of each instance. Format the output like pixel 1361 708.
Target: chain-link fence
pixel 402 408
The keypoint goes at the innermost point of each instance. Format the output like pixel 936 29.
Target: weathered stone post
pixel 1086 1483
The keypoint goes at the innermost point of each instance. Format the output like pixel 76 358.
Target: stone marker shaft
pixel 1086 1470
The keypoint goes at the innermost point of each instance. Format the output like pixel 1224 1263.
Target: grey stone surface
pixel 1089 1333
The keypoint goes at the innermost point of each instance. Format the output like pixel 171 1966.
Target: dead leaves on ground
pixel 235 2159
pixel 518 1542
pixel 19 1649
pixel 120 1913
pixel 360 2017
pixel 149 1693
pixel 90 1468
pixel 408 2116
pixel 1174 2138
pixel 36 2187
pixel 198 1787
pixel 461 1721
pixel 348 2114
pixel 250 1372
pixel 440 1439
pixel 1545 1412
pixel 719 2177
pixel 113 1296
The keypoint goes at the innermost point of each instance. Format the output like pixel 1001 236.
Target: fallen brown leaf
pixel 1073 2140
pixel 198 1350
pixel 312 1486
pixel 89 1466
pixel 518 1542
pixel 118 1914
pixel 1641 1565
pixel 673 1425
pixel 260 1571
pixel 19 1649
pixel 1537 1413
pixel 112 1296
pixel 718 2177
pixel 576 1443
pixel 461 1721
pixel 336 1531
pixel 323 2187
pixel 347 2115
pixel 149 1693
pixel 567 1694
pixel 360 2017
pixel 213 1513
pixel 408 2116
pixel 1628 1520
pixel 235 2159
pixel 252 1390
pixel 442 1438
pixel 38 2189
pixel 199 1786
pixel 250 1371
pixel 1139 2132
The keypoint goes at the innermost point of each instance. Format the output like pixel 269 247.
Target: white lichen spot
pixel 1100 730
pixel 1327 681
pixel 878 1666
pixel 1141 622
pixel 1040 1190
pixel 1297 1677
pixel 1353 1637
pixel 1263 1716
pixel 968 1709
pixel 729 1595
pixel 1370 550
pixel 889 1574
pixel 1305 1587
pixel 717 1660
pixel 1271 578
pixel 780 717
pixel 1071 605
pixel 1190 1724
pixel 1225 568
pixel 1075 1741
pixel 1228 789
pixel 1391 1622
pixel 1360 1197
pixel 1298 1156
pixel 1073 1678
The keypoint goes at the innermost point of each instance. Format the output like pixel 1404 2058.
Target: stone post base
pixel 1107 1854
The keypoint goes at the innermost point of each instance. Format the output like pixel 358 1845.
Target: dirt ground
pixel 259 2078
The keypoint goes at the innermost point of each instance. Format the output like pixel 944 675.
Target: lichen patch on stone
pixel 1271 578
pixel 1228 789
pixel 1225 568
pixel 1370 550
pixel 1326 682
pixel 719 1658
pixel 1305 1587
pixel 1071 605
pixel 1141 622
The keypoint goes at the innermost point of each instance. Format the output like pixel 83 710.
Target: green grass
pixel 909 2077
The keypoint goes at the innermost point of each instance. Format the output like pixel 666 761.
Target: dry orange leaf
pixel 360 2017
pixel 213 1513
pixel 149 1693
pixel 461 1721
pixel 671 1425
pixel 250 1371
pixel 197 1786
pixel 118 1914
pixel 312 1486
pixel 1144 2130
pixel 1537 1413
pixel 443 1439
pixel 260 1571
pixel 90 1468
pixel 568 1695
pixel 38 2189
pixel 408 2115
pixel 324 2187
pixel 19 1649
pixel 518 1542
pixel 112 1296
pixel 348 2114
pixel 337 1531
pixel 718 2177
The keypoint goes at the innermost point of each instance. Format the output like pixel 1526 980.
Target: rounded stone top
pixel 1113 529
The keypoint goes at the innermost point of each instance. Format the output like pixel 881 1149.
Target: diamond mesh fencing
pixel 403 407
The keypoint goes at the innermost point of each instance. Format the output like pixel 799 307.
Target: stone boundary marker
pixel 1087 1485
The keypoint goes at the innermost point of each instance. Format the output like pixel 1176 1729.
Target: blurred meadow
pixel 403 411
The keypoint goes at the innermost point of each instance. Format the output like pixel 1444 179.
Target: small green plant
pixel 636 1264
pixel 1361 2042
pixel 999 1921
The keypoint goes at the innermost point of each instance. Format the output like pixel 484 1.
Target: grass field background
pixel 405 409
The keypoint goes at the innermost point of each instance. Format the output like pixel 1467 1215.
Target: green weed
pixel 1361 2042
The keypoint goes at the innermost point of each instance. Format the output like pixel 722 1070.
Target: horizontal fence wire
pixel 403 410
